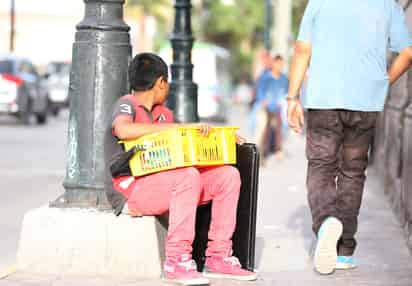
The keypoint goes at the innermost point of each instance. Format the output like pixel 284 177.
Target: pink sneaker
pixel 183 272
pixel 227 267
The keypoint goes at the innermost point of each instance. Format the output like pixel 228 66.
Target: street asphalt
pixel 32 163
pixel 32 170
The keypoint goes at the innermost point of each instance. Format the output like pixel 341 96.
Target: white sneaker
pixel 326 254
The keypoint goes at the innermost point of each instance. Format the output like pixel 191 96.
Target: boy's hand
pixel 203 127
pixel 240 140
pixel 295 115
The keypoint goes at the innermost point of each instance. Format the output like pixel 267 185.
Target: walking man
pixel 345 44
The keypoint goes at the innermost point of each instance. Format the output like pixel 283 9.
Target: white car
pixel 211 74
pixel 22 93
pixel 57 83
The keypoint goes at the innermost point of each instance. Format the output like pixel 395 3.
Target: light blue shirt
pixel 276 91
pixel 350 39
pixel 262 85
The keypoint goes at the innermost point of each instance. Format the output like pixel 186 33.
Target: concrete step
pixel 88 242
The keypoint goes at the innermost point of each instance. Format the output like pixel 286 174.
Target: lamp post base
pixel 82 199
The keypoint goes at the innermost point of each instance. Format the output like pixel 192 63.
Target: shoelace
pixel 234 261
pixel 188 265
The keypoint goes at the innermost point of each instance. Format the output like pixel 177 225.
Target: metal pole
pixel 12 24
pixel 183 91
pixel 268 25
pixel 101 54
pixel 282 10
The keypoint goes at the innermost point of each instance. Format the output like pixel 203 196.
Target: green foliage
pixel 298 10
pixel 161 10
pixel 230 25
pixel 154 8
pixel 238 27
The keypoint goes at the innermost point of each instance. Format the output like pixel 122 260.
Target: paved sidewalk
pixel 285 240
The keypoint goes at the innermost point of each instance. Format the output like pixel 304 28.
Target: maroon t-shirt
pixel 129 106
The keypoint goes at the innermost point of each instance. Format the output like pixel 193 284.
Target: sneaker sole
pixel 229 276
pixel 326 252
pixel 340 266
pixel 188 282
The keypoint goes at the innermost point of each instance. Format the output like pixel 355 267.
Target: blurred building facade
pixel 45 29
pixel 393 145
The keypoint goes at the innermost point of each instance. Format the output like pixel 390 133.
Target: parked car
pixel 57 83
pixel 211 74
pixel 21 91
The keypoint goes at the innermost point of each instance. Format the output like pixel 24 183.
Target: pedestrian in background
pixel 275 105
pixel 258 117
pixel 271 91
pixel 345 44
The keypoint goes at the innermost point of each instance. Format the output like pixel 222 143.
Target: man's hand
pixel 300 63
pixel 400 65
pixel 240 140
pixel 296 116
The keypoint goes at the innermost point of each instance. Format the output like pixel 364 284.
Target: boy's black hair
pixel 144 70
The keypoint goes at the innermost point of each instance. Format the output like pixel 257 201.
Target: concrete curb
pixel 8 271
pixel 88 242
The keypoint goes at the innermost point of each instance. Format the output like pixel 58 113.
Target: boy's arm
pixel 400 65
pixel 125 129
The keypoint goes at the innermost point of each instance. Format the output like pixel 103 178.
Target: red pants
pixel 180 192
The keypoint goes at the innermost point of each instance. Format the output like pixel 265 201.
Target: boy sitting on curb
pixel 180 191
